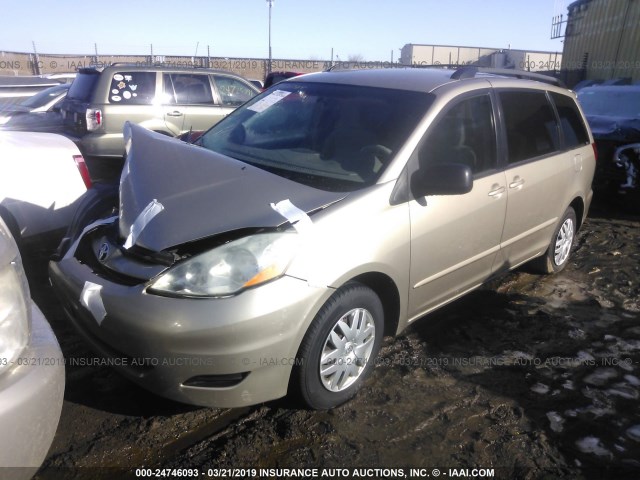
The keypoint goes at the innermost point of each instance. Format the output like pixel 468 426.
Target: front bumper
pixel 219 352
pixel 31 396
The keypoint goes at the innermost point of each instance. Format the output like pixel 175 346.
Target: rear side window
pixel 187 89
pixel 574 131
pixel 232 91
pixel 132 88
pixel 531 126
pixel 83 86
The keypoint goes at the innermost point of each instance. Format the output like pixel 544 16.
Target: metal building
pixel 529 60
pixel 602 40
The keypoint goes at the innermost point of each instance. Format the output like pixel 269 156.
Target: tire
pixel 353 351
pixel 557 255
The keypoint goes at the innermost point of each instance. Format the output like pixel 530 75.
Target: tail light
pixel 84 171
pixel 94 119
pixel 595 150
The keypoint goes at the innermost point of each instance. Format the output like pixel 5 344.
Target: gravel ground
pixel 535 377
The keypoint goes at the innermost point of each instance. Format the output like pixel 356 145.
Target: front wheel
pixel 557 255
pixel 338 350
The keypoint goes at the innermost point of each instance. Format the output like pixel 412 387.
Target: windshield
pixel 45 96
pixel 332 137
pixel 614 103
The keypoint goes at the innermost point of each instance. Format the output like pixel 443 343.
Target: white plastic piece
pixel 149 212
pixel 91 298
pixel 269 100
pixel 298 218
pixel 304 226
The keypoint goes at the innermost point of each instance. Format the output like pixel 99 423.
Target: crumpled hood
pixel 614 128
pixel 199 193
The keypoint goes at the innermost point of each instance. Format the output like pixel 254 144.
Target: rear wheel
pixel 338 350
pixel 557 255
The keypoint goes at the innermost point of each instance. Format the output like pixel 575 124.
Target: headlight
pixel 14 307
pixel 232 267
pixel 4 119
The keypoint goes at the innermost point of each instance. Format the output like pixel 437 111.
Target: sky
pixel 301 29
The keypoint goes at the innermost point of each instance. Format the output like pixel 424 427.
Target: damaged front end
pixel 217 217
pixel 618 144
pixel 627 157
pixel 613 113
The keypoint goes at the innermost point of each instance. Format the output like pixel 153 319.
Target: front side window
pixel 531 125
pixel 465 134
pixel 132 88
pixel 187 89
pixel 328 136
pixel 232 91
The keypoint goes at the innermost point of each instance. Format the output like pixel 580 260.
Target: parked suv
pixel 167 100
pixel 331 210
pixel 277 77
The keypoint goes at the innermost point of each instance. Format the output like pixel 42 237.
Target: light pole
pixel 270 2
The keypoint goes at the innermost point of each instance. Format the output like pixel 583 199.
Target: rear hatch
pixel 74 107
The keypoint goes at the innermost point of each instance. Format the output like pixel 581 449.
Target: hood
pixel 614 128
pixel 175 193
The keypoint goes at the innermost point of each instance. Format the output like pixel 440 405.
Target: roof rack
pixel 157 64
pixel 470 71
pixel 447 66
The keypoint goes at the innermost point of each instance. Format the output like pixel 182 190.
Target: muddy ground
pixel 536 377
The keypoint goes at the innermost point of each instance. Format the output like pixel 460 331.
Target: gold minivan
pixel 273 255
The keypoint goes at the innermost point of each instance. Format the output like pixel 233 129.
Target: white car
pixel 42 177
pixel 31 371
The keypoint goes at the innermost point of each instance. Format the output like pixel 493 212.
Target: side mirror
pixel 442 179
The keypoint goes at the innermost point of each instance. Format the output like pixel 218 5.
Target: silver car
pixel 336 208
pixel 31 371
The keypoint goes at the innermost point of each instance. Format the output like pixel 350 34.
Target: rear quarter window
pixel 530 123
pixel 574 131
pixel 132 88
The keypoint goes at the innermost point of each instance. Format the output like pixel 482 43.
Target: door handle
pixel 517 182
pixel 175 113
pixel 496 191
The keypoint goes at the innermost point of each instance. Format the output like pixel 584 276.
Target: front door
pixel 455 238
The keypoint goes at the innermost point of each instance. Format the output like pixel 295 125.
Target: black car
pixel 613 113
pixel 38 113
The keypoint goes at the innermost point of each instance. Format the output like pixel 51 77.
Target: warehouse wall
pixel 425 55
pixel 17 63
pixel 602 39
